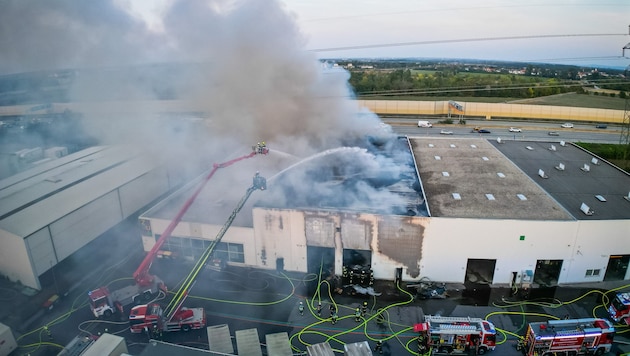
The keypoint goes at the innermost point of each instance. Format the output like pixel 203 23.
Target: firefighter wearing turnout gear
pixel 357 315
pixel 301 308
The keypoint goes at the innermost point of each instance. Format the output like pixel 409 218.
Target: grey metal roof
pixel 37 199
pixel 472 170
pixel 574 185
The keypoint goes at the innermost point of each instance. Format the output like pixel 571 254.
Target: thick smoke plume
pixel 243 63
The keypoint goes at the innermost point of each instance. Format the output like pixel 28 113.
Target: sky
pixel 574 32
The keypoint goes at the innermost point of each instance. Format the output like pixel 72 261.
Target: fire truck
pixel 455 335
pixel 174 317
pixel 105 302
pixel 589 336
pixel 619 308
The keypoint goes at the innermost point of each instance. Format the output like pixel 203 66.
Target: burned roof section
pixel 380 179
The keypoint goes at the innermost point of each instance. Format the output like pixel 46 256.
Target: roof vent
pixel 600 198
pixel 490 196
pixel 552 148
pixel 562 143
pixel 586 168
pixel 453 146
pixel 560 167
pixel 437 158
pixel 521 196
pixel 456 196
pixel 445 174
pixel 485 158
pixel 595 161
pixel 53 179
pixel 501 175
pixel 473 146
pixel 627 197
pixel 499 140
pixel 529 148
pixel 431 145
pixel 586 210
pixel 542 174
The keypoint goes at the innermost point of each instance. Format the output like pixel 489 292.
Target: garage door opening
pixel 357 268
pixel 547 272
pixel 617 268
pixel 321 260
pixel 480 271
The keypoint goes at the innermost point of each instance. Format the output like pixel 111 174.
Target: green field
pixel 578 100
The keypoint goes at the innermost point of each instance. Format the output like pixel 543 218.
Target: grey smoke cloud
pixel 251 75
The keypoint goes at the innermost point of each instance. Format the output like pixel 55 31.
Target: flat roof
pixel 575 184
pixel 38 199
pixel 471 178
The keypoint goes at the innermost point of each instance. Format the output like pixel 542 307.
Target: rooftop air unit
pixel 586 210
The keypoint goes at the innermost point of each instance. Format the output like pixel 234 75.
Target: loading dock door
pixel 617 268
pixel 547 272
pixel 479 271
pixel 320 260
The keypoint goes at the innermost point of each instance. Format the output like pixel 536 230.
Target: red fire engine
pixel 590 336
pixel 146 286
pixel 174 317
pixel 149 317
pixel 455 335
pixel 619 308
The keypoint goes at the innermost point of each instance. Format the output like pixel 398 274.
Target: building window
pixel 592 272
pixel 230 252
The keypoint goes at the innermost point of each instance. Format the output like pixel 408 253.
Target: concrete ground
pixel 267 300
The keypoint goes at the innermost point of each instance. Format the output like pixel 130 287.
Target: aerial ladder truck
pixel 175 317
pixel 105 302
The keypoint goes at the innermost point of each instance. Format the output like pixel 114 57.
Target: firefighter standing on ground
pixel 379 347
pixel 301 308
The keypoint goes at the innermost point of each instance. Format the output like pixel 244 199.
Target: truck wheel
pixel 185 328
pixel 107 313
pixel 482 351
pixel 600 351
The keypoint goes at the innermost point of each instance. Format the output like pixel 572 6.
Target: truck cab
pixel 619 308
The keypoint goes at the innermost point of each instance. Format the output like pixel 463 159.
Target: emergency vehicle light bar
pixel 457 329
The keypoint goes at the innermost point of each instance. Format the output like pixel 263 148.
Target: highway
pixel 531 130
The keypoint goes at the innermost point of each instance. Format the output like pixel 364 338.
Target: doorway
pixel 547 272
pixel 480 271
pixel 617 268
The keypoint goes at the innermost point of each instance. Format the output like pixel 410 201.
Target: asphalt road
pixel 531 131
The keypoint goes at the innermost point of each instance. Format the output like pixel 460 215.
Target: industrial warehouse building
pixel 50 211
pixel 469 210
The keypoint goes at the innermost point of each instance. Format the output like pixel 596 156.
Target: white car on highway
pixel 515 129
pixel 567 125
pixel 446 132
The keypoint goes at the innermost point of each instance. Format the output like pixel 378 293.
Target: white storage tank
pixel 7 340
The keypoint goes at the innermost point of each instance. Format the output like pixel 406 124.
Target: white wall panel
pixel 15 263
pixel 41 251
pixel 76 229
pixel 141 191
